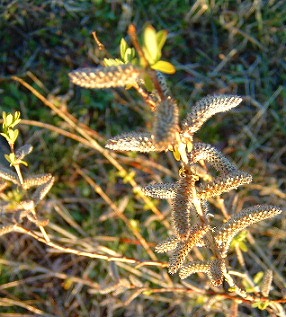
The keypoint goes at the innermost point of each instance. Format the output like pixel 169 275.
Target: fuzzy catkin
pixel 242 220
pixel 206 108
pixel 105 77
pixel 182 206
pixel 216 271
pixel 166 123
pixel 36 180
pixel 9 175
pixel 223 184
pixel 167 245
pixel 160 190
pixel 42 191
pixel 266 283
pixel 214 157
pixel 194 267
pixel 141 142
pixel 183 248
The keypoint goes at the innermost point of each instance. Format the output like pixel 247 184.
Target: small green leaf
pixel 148 293
pixel 22 162
pixel 161 39
pixel 123 48
pixel 16 119
pixel 134 224
pixel 13 135
pixel 12 159
pixel 129 55
pixel 243 246
pixel 239 241
pixel 232 289
pixel 164 67
pixel 260 305
pixel 258 277
pixel 150 46
pixel 129 177
pixel 8 120
pixel 9 157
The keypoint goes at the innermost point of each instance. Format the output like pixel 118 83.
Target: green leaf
pixel 12 135
pixel 243 246
pixel 161 39
pixel 17 119
pixel 260 305
pixel 123 48
pixel 129 55
pixel 134 224
pixel 8 120
pixel 258 277
pixel 150 46
pixel 164 67
pixel 12 159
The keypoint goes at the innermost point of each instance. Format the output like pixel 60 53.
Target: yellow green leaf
pixel 8 120
pixel 164 67
pixel 258 277
pixel 123 47
pixel 260 305
pixel 150 46
pixel 129 55
pixel 129 177
pixel 161 39
pixel 134 224
pixel 148 292
pixel 176 154
pixel 243 246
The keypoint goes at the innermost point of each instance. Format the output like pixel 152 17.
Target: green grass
pixel 218 47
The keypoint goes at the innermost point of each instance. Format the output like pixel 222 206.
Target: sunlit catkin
pixel 206 108
pixel 105 77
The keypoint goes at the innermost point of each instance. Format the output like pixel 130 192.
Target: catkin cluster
pixel 190 194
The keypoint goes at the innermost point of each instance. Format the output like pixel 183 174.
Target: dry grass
pixel 100 260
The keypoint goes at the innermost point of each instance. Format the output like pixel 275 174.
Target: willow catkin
pixel 216 271
pixel 160 190
pixel 42 191
pixel 222 184
pixel 106 77
pixel 36 180
pixel 183 207
pixel 183 248
pixel 266 283
pixel 209 154
pixel 167 245
pixel 166 123
pixel 194 267
pixel 242 220
pixel 141 142
pixel 206 108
